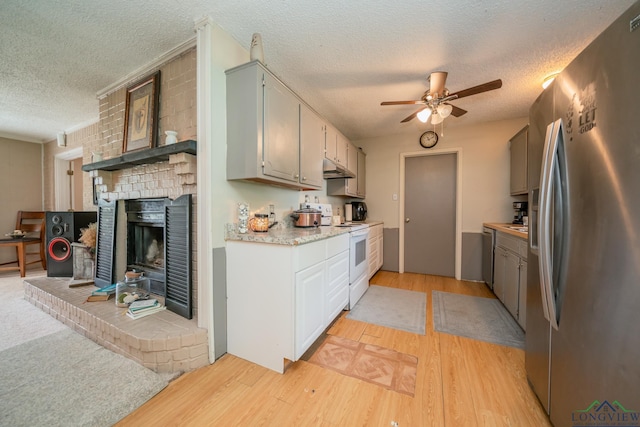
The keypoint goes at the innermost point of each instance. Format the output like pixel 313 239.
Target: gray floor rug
pixel 484 319
pixel 393 308
pixel 66 379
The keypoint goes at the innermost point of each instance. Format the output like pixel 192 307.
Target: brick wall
pixel 177 110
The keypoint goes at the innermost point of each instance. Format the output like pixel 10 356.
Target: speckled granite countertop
pixel 285 236
pixel 504 228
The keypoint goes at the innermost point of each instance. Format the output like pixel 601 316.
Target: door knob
pixel 407 220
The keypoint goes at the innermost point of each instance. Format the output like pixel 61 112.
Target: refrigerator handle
pixel 549 163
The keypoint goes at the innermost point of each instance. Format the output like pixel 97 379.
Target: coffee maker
pixel 520 209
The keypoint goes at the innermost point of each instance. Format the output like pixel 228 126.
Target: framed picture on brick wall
pixel 141 114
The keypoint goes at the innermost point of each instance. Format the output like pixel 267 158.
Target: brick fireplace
pixel 130 187
pixel 164 342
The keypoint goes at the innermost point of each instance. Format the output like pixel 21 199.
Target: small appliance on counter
pixel 359 211
pixel 348 212
pixel 306 217
pixel 520 209
pixel 326 211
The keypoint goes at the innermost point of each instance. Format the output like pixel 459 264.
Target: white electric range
pixel 358 260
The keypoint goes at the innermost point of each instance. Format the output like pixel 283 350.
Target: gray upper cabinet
pixel 264 130
pixel 281 131
pixel 343 145
pixel 351 187
pixel 331 143
pixel 518 148
pixel 312 142
pixel 352 166
pixel 337 147
pixel 362 174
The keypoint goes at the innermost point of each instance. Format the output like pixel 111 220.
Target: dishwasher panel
pixel 488 248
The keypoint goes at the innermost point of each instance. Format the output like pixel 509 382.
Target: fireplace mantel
pixel 143 157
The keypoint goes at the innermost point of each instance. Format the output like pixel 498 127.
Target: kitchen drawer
pixel 507 242
pixel 309 254
pixel 337 244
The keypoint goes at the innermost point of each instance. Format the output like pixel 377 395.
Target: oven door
pixel 358 256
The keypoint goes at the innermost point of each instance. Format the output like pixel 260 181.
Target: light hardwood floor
pixel 460 382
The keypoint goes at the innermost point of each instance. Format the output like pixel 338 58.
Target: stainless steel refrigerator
pixel 583 286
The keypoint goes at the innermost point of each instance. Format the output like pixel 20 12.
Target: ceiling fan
pixel 436 99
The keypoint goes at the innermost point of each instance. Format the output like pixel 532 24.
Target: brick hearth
pixel 162 342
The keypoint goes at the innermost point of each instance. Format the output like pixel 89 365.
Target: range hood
pixel 333 170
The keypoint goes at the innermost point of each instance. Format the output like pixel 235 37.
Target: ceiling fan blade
pixel 456 112
pixel 496 84
pixel 437 80
pixel 402 102
pixel 412 116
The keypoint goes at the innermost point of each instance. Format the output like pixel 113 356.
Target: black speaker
pixel 62 229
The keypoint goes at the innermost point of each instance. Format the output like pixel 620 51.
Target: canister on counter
pixel 260 222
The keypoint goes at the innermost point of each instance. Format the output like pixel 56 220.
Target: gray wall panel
pixel 220 301
pixel 472 256
pixel 390 246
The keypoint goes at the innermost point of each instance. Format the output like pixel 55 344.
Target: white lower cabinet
pixel 310 301
pixel 281 297
pixel 337 293
pixel 375 249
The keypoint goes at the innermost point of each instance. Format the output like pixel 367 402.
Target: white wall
pixel 228 53
pixel 485 171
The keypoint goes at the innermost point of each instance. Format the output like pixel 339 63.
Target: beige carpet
pixel 21 320
pixel 53 376
pixel 377 365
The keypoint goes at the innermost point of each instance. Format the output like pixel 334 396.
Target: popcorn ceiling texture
pixel 342 58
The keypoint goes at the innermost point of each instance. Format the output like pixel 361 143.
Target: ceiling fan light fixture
pixel 436 119
pixel 444 110
pixel 549 79
pixel 423 115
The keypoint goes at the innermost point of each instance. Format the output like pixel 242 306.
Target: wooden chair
pixel 32 223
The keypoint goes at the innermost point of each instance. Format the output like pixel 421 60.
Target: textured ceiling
pixel 343 58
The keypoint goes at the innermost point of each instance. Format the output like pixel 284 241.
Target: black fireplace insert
pixel 145 240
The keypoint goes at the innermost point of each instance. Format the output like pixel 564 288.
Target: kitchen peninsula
pixel 284 287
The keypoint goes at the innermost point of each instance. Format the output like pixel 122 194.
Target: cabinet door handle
pixel 296 176
pixel 407 220
pixel 304 178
